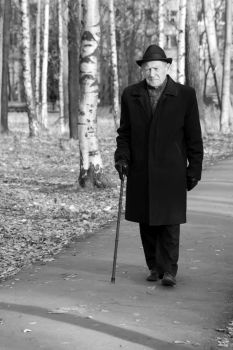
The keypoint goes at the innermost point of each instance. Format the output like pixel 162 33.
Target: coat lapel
pixel 140 95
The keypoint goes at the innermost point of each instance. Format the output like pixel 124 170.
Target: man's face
pixel 155 72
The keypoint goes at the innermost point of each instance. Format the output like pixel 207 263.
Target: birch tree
pixel 91 167
pixel 5 16
pixel 65 63
pixel 114 70
pixel 73 55
pixel 192 58
pixel 161 23
pixel 181 42
pixel 61 65
pixel 44 77
pixel 1 50
pixel 37 75
pixel 214 56
pixel 226 117
pixel 27 70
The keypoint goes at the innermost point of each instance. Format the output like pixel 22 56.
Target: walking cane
pixel 117 231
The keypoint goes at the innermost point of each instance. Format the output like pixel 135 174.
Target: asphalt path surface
pixel 70 303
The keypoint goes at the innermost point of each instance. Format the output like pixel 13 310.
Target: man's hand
pixel 122 168
pixel 191 182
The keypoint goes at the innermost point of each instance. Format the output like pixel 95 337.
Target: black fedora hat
pixel 154 53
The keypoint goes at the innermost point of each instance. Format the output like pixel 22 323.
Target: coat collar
pixel 140 93
pixel 171 88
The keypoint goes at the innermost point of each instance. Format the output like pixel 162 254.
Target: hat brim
pixel 167 60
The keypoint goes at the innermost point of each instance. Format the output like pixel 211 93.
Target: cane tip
pixel 112 280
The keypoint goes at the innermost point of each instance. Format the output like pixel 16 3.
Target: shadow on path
pixel 95 325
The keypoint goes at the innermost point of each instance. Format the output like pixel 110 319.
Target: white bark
pixel 37 78
pixel 1 49
pixel 65 64
pixel 44 78
pixel 161 23
pixel 27 72
pixel 181 42
pixel 91 166
pixel 214 56
pixel 61 82
pixel 226 118
pixel 115 82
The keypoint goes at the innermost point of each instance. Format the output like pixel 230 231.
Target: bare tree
pixel 91 167
pixel 27 70
pixel 161 23
pixel 5 17
pixel 44 78
pixel 192 58
pixel 37 75
pixel 214 56
pixel 65 66
pixel 181 42
pixel 74 52
pixel 114 70
pixel 226 120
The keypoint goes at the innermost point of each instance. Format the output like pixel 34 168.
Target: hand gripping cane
pixel 117 231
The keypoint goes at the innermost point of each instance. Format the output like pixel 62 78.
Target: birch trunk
pixel 226 117
pixel 91 167
pixel 214 57
pixel 27 71
pixel 65 68
pixel 73 83
pixel 37 77
pixel 44 77
pixel 114 70
pixel 5 58
pixel 192 57
pixel 1 52
pixel 181 42
pixel 61 70
pixel 161 23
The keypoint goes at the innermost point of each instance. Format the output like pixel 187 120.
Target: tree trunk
pixel 61 70
pixel 161 23
pixel 5 43
pixel 44 78
pixel 37 77
pixel 192 57
pixel 2 3
pixel 114 70
pixel 226 118
pixel 74 52
pixel 214 57
pixel 91 167
pixel 181 42
pixel 27 70
pixel 65 69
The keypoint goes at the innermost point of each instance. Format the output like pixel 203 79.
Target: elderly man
pixel 160 150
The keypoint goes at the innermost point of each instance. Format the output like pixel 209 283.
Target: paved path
pixel 71 304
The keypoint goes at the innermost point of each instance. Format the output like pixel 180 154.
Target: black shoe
pixel 168 280
pixel 153 276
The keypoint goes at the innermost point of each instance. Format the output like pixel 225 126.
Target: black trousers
pixel 161 247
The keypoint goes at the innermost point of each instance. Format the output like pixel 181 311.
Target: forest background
pixel 63 67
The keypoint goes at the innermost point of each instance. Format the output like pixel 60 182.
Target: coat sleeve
pixel 123 138
pixel 193 139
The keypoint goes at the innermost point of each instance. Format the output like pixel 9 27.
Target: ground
pixel 70 302
pixel 42 207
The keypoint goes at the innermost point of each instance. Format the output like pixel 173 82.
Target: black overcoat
pixel 161 149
